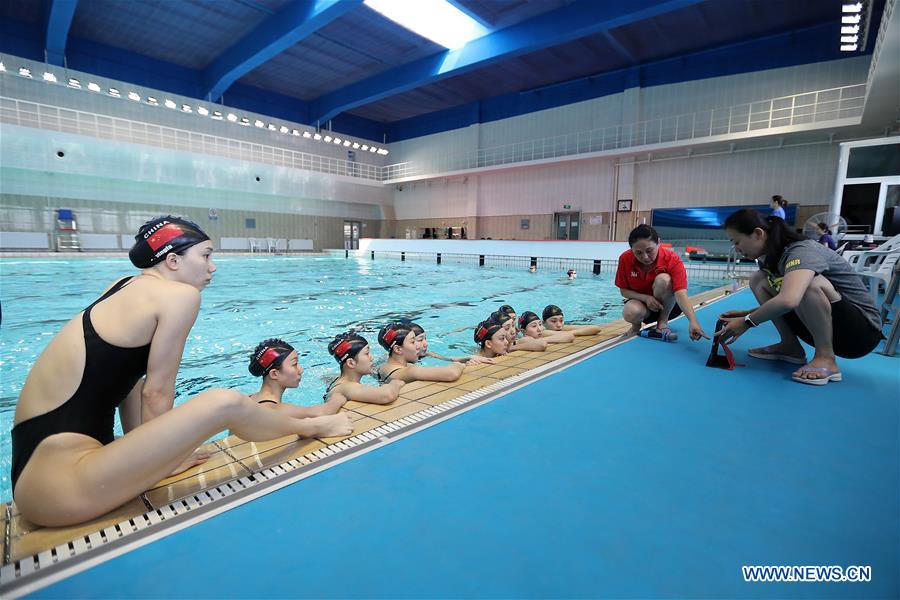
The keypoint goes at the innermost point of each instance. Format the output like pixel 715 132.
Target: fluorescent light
pixel 217 115
pixel 74 83
pixel 307 134
pixel 271 127
pixel 295 132
pixel 373 149
pixel 347 143
pixel 283 129
pixel 232 117
pixel 114 93
pixel 355 145
pixel 365 147
pixel 327 138
pixel 849 39
pixel 382 151
pixel 437 20
pixel 849 48
pixel 852 8
pixel 337 140
pixel 170 103
pixel 152 101
pixel 258 123
pixel 25 72
pixel 134 96
pixel 245 121
pixel 93 87
pixel 2 67
pixel 48 76
pixel 202 111
pixel 187 108
pixel 851 29
pixel 317 136
pixel 850 19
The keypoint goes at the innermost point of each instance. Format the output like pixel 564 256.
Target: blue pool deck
pixel 635 473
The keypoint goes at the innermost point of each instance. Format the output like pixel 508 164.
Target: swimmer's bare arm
pixel 384 394
pixel 582 329
pixel 472 358
pixel 331 407
pixel 530 345
pixel 174 321
pixel 558 337
pixel 130 408
pixel 451 372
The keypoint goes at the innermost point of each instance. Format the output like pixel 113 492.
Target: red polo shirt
pixel 631 276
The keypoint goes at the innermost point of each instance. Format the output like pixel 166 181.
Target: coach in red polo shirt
pixel 654 283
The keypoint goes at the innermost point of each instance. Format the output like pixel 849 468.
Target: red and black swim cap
pixel 162 235
pixel 268 355
pixel 500 316
pixel 346 346
pixel 526 318
pixel 485 331
pixel 393 334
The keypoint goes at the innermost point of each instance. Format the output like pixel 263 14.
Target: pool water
pixel 304 300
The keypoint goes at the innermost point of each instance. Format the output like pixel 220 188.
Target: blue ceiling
pixel 313 60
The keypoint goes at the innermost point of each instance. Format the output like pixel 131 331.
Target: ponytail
pixel 779 235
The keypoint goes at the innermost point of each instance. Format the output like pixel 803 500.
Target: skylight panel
pixel 437 20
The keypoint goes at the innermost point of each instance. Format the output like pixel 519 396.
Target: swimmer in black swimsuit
pixel 555 321
pixel 123 353
pixel 531 326
pixel 422 349
pixel 508 322
pixel 491 338
pixel 352 353
pixel 402 349
pixel 276 363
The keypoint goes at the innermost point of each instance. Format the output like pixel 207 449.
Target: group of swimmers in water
pixel 124 350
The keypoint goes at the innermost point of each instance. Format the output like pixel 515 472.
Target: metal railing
pixel 55 118
pixel 799 109
pixel 822 106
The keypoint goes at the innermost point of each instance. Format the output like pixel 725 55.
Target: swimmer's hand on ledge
pixel 476 359
pixel 197 458
pixel 332 425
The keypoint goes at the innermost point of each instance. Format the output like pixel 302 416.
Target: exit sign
pixel 567 206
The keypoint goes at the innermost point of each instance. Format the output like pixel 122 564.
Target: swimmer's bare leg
pixel 72 478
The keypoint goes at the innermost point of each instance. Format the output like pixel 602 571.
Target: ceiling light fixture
pixel 114 93
pixel 93 86
pixel 25 72
pixel 74 83
pixel 232 117
pixel 50 77
pixel 170 103
pixel 134 96
pixel 202 111
pixel 152 101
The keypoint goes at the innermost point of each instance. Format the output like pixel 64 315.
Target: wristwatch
pixel 749 321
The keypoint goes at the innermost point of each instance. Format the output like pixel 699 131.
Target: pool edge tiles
pixel 41 556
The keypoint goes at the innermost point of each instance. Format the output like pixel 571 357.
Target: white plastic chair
pixel 878 270
pixel 254 245
pixel 854 257
pixel 271 245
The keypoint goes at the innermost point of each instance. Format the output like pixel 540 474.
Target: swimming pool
pixel 304 300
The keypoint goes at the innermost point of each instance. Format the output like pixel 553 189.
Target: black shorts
pixel 653 315
pixel 852 334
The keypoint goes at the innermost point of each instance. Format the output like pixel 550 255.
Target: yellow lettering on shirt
pixel 792 263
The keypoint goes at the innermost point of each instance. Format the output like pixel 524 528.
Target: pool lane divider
pixel 32 573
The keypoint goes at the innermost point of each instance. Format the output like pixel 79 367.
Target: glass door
pixel 565 225
pixel 351 235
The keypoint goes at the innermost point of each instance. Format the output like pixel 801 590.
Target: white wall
pixel 803 175
pixel 549 249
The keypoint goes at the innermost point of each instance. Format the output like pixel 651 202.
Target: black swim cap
pixel 162 235
pixel 552 310
pixel 346 345
pixel 268 355
pixel 414 327
pixel 500 317
pixel 507 309
pixel 485 331
pixel 392 334
pixel 526 318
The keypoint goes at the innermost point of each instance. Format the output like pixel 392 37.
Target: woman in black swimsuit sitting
pixel 276 362
pixel 123 353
